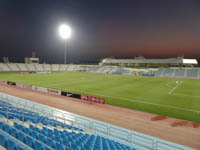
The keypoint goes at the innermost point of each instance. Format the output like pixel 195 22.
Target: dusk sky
pixel 103 28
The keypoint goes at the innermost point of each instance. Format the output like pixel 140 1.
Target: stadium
pixel 156 95
pixel 108 75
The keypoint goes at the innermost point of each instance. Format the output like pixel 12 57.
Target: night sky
pixel 101 28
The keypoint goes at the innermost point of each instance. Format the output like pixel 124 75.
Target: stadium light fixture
pixel 65 33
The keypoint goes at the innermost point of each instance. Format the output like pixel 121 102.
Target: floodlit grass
pixel 147 94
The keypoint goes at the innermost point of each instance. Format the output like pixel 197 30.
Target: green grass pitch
pixel 179 98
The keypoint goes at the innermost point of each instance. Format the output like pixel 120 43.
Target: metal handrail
pixel 171 146
pixel 23 116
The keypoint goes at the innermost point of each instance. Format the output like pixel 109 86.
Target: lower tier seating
pixel 23 129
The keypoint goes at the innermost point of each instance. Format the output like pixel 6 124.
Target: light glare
pixel 65 31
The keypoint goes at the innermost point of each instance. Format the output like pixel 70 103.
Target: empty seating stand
pixel 55 67
pixel 168 72
pixel 119 71
pixel 159 72
pixel 47 68
pixel 14 135
pixel 179 73
pixel 192 73
pixel 4 67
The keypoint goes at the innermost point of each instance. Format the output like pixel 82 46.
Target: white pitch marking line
pixel 186 95
pixel 138 101
pixel 173 89
pixel 168 85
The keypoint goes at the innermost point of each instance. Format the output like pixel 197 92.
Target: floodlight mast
pixel 65 61
pixel 65 33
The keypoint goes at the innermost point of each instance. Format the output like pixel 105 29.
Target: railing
pixel 125 136
pixel 23 115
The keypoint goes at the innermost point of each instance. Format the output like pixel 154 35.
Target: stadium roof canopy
pixel 150 61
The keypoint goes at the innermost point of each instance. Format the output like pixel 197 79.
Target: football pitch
pixel 179 98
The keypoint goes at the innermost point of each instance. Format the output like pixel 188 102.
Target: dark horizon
pixel 122 29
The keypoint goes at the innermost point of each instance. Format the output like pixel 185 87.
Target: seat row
pixel 47 138
pixel 11 112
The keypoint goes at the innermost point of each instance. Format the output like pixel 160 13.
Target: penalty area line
pixel 174 88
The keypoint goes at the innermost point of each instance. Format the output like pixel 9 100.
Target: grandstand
pixel 12 67
pixel 31 67
pixel 39 67
pixel 63 68
pixel 28 125
pixel 142 62
pixel 4 67
pixel 55 67
pixel 174 72
pixel 22 67
pixel 47 67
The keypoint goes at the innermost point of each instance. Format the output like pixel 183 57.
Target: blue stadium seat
pixel 21 147
pixel 3 140
pixel 47 148
pixel 2 126
pixel 8 129
pixel 50 143
pixel 42 138
pixel 34 134
pixel 59 147
pixel 12 145
pixel 39 146
pixel 30 142
pixel 27 131
pixel 14 132
pixel 22 137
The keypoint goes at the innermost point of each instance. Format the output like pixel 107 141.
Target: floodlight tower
pixel 65 33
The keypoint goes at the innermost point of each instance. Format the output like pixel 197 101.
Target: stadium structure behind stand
pixel 171 67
